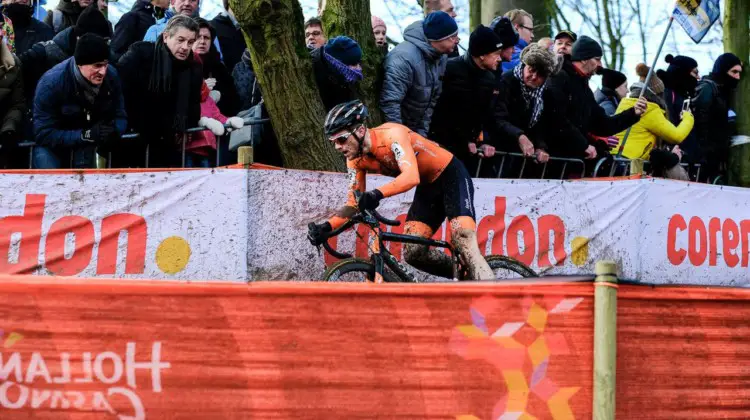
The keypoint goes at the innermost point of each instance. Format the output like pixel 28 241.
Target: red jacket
pixel 204 142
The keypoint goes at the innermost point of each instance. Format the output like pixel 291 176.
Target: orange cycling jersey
pixel 398 152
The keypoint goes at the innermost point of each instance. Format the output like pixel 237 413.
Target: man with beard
pixel 18 19
pixel 712 129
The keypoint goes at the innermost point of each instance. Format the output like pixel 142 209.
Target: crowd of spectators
pixel 74 85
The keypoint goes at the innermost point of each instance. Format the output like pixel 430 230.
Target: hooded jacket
pixel 133 25
pixel 245 82
pixel 607 99
pixel 70 12
pixel 710 144
pixel 413 81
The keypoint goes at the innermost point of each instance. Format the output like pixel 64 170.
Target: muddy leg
pixel 422 257
pixel 464 240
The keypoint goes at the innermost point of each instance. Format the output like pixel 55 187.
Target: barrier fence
pixel 558 348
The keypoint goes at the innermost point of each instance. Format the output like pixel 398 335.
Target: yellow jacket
pixel 653 124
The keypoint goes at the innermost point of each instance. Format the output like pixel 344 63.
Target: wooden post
pixel 605 340
pixel 245 155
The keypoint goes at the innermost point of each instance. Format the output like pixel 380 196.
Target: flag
pixel 696 16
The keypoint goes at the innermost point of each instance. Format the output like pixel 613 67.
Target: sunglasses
pixel 341 138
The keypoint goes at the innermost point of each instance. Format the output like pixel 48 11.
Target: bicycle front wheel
pixel 507 268
pixel 355 270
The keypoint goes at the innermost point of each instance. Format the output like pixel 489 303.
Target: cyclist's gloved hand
pixel 317 234
pixel 370 200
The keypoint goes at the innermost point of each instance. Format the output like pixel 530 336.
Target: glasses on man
pixel 313 33
pixel 526 27
pixel 341 138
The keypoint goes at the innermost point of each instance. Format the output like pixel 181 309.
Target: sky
pixel 407 11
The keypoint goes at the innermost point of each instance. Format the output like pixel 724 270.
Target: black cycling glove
pixel 317 234
pixel 370 200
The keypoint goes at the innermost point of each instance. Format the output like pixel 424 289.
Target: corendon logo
pixel 32 388
pixel 536 244
pixel 703 241
pixel 21 238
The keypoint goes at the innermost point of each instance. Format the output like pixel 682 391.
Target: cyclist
pixel 444 187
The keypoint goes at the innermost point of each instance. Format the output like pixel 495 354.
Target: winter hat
pixel 677 76
pixel 585 48
pixel 344 49
pixel 376 21
pixel 612 79
pixel 655 84
pixel 566 34
pixel 92 20
pixel 90 49
pixel 439 25
pixel 680 63
pixel 483 41
pixel 504 30
pixel 540 59
pixel 725 62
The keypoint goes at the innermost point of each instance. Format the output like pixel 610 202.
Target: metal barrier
pixel 564 161
pixel 227 127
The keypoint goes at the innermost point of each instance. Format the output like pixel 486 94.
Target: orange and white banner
pixel 240 225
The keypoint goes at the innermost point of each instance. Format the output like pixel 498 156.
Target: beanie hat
pixel 585 48
pixel 344 49
pixel 612 79
pixel 92 20
pixel 655 84
pixel 566 34
pixel 680 63
pixel 677 77
pixel 504 30
pixel 483 41
pixel 439 25
pixel 725 62
pixel 376 21
pixel 540 59
pixel 90 49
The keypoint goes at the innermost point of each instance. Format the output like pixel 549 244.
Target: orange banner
pixel 288 350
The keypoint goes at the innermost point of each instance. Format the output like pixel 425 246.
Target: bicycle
pixel 352 269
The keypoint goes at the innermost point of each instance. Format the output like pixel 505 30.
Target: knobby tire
pixel 356 265
pixel 506 263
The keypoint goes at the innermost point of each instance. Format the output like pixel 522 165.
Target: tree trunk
pixel 352 18
pixel 737 41
pixel 273 31
pixel 475 13
pixel 537 8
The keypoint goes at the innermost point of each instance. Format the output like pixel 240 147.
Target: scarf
pixel 171 75
pixel 532 96
pixel 90 91
pixel 8 33
pixel 349 74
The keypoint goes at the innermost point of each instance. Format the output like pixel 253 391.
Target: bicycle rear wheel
pixel 355 270
pixel 507 268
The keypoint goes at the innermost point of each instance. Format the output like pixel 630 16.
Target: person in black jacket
pixel 65 14
pixel 469 90
pixel 215 72
pixel 28 30
pixel 710 146
pixel 576 112
pixel 231 40
pixel 133 25
pixel 162 84
pixel 337 68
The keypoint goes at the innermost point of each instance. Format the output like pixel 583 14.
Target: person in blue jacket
pixel 523 23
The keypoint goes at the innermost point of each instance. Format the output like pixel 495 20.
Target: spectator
pixel 189 8
pixel 654 123
pixel 614 88
pixel 577 114
pixel 214 71
pixel 442 6
pixel 78 108
pixel 546 43
pixel 314 36
pixel 680 80
pixel 65 14
pixel 520 111
pixel 465 105
pixel 564 41
pixel 229 35
pixel 413 71
pixel 523 23
pixel 20 22
pixel 162 84
pixel 379 30
pixel 12 105
pixel 202 145
pixel 714 94
pixel 245 82
pixel 133 25
pixel 45 55
pixel 337 68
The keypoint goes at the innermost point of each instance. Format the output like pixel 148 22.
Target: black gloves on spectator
pixel 370 200
pixel 100 133
pixel 317 234
pixel 8 140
